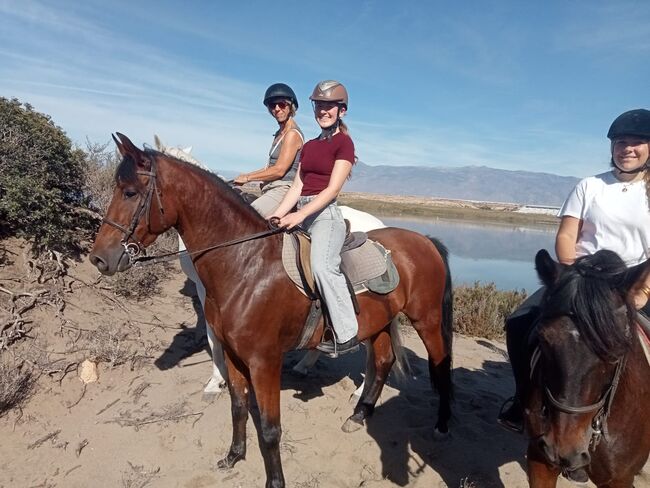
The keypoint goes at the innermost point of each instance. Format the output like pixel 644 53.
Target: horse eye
pixel 130 193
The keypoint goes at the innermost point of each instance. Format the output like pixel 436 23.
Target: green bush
pixel 41 181
pixel 480 310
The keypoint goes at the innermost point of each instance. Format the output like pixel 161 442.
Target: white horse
pixel 359 221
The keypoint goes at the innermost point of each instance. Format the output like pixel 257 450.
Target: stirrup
pixel 333 349
pixel 507 423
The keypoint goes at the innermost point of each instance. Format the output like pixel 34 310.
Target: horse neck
pixel 208 212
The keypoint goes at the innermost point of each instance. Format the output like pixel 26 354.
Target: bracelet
pixel 645 290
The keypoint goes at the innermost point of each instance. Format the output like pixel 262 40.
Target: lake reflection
pixel 502 253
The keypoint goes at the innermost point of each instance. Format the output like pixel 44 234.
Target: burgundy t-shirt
pixel 317 161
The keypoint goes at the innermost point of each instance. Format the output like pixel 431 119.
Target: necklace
pixel 627 185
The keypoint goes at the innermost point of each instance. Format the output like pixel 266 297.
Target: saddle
pixel 366 265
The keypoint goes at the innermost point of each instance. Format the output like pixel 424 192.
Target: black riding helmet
pixel 280 90
pixel 631 123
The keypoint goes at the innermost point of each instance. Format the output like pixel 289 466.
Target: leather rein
pixel 134 248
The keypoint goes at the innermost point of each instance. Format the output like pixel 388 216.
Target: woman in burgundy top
pixel 325 165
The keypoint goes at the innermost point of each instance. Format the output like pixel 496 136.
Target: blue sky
pixel 508 84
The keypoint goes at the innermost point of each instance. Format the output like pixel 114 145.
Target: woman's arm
pixel 291 144
pixel 340 173
pixel 566 239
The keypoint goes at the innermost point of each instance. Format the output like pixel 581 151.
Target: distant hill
pixel 466 183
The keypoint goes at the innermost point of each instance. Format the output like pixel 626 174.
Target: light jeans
pixel 272 195
pixel 327 229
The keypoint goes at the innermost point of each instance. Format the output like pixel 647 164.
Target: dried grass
pixel 17 381
pixel 138 476
pixel 480 310
pixel 108 343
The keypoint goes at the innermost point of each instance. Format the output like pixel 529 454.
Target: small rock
pixel 88 372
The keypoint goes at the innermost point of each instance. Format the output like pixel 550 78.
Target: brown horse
pixel 591 380
pixel 255 310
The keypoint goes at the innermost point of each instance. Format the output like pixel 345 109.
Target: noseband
pixel 134 248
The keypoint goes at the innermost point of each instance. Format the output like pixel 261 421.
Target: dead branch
pixel 44 439
pixel 80 447
pixel 108 406
pixel 83 392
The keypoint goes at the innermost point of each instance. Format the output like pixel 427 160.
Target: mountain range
pixel 465 183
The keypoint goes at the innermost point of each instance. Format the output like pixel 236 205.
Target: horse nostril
pixel 98 262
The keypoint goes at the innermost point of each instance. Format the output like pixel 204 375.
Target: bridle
pixel 602 407
pixel 134 248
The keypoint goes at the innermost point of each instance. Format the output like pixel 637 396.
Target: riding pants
pixel 272 195
pixel 327 229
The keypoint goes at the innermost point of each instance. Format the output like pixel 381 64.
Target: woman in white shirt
pixel 607 211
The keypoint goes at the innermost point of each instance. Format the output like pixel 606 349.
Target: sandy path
pixel 98 445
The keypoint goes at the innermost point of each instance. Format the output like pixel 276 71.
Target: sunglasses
pixel 322 105
pixel 277 103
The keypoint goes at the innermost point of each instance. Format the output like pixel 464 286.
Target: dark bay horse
pixel 587 407
pixel 255 310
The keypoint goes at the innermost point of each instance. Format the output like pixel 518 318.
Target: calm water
pixel 503 254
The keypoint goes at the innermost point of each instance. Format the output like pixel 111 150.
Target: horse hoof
pixel 440 436
pixel 228 462
pixel 352 425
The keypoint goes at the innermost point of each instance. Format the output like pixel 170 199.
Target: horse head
pixel 137 213
pixel 585 333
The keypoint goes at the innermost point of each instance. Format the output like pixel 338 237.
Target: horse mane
pixel 586 291
pixel 126 172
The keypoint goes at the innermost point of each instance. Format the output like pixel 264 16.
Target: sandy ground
pixel 144 423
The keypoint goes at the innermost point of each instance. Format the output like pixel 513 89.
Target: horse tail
pixel 447 300
pixel 401 367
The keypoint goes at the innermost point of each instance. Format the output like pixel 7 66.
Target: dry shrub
pixel 138 283
pixel 101 163
pixel 16 384
pixel 480 310
pixel 109 344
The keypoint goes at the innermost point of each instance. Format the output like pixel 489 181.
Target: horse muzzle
pixel 566 459
pixel 109 263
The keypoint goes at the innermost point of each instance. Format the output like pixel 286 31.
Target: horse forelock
pixel 125 172
pixel 587 293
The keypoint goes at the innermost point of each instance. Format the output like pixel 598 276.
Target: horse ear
pixel 636 275
pixel 118 144
pixel 547 269
pixel 126 147
pixel 159 145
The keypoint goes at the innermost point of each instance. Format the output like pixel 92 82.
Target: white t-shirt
pixel 614 216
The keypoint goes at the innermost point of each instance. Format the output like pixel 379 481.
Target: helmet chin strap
pixel 329 132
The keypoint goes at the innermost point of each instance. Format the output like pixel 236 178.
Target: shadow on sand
pixel 188 340
pixel 403 425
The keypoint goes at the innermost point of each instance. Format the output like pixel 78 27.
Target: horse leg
pixel 380 359
pixel 217 381
pixel 439 366
pixel 238 385
pixel 265 377
pixel 540 473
